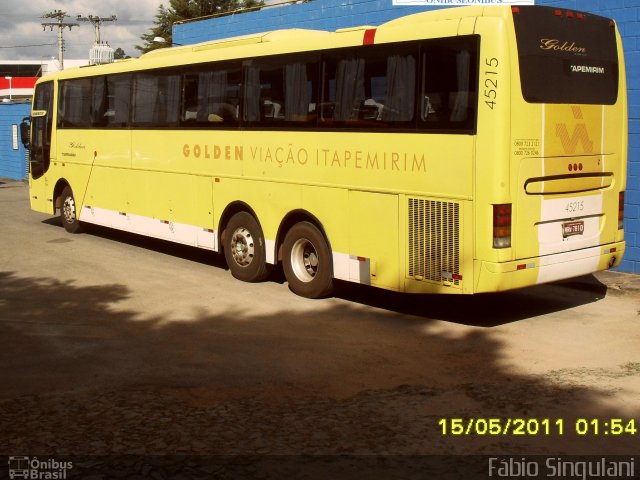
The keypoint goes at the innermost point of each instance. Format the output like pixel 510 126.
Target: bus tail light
pixel 502 225
pixel 620 210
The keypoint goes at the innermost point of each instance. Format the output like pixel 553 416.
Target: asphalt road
pixel 113 343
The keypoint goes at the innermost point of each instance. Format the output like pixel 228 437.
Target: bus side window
pixel 75 103
pixel 281 90
pixel 211 97
pixel 264 97
pixel 156 99
pixel 449 73
pixel 372 88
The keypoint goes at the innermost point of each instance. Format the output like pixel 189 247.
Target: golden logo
pixel 554 44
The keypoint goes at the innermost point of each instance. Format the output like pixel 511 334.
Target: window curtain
pixel 146 98
pixel 212 87
pixel 401 88
pixel 349 89
pixel 459 111
pixel 251 102
pixel 167 110
pixel 296 92
pixel 98 103
pixel 118 91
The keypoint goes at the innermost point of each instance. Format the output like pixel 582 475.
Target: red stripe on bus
pixel 369 36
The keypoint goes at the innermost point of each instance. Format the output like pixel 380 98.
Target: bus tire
pixel 69 211
pixel 307 262
pixel 244 249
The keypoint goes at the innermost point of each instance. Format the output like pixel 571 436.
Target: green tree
pixel 186 10
pixel 119 54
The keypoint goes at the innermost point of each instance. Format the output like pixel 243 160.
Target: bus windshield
pixel 566 56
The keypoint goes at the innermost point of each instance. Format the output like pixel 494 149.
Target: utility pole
pixel 96 21
pixel 59 15
pixel 100 53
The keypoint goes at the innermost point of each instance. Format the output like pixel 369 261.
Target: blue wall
pixel 317 14
pixel 12 162
pixel 333 14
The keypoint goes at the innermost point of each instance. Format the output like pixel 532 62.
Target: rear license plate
pixel 572 228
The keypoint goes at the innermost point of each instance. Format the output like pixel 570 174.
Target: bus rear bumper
pixel 495 277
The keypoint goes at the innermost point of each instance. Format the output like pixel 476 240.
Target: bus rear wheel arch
pixel 307 261
pixel 244 248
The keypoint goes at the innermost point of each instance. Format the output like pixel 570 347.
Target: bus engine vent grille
pixel 434 240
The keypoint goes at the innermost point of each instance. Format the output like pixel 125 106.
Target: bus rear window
pixel 566 56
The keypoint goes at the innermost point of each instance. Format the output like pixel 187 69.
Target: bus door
pixel 40 143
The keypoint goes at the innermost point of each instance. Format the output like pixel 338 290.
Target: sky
pixel 20 27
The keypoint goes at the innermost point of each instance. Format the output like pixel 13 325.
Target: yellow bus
pixel 463 150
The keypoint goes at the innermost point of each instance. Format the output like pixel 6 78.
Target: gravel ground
pixel 127 350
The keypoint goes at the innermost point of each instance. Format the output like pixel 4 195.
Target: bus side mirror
pixel 25 132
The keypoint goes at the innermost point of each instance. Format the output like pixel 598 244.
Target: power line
pixel 34 45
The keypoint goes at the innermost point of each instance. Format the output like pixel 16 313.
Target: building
pixel 17 79
pixel 13 161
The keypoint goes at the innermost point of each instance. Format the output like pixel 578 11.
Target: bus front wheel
pixel 307 261
pixel 244 249
pixel 69 211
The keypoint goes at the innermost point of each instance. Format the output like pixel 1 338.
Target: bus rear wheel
pixel 244 249
pixel 307 261
pixel 69 211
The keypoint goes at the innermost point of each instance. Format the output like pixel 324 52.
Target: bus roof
pixel 443 23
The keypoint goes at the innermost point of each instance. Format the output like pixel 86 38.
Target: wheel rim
pixel 242 248
pixel 304 260
pixel 69 210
